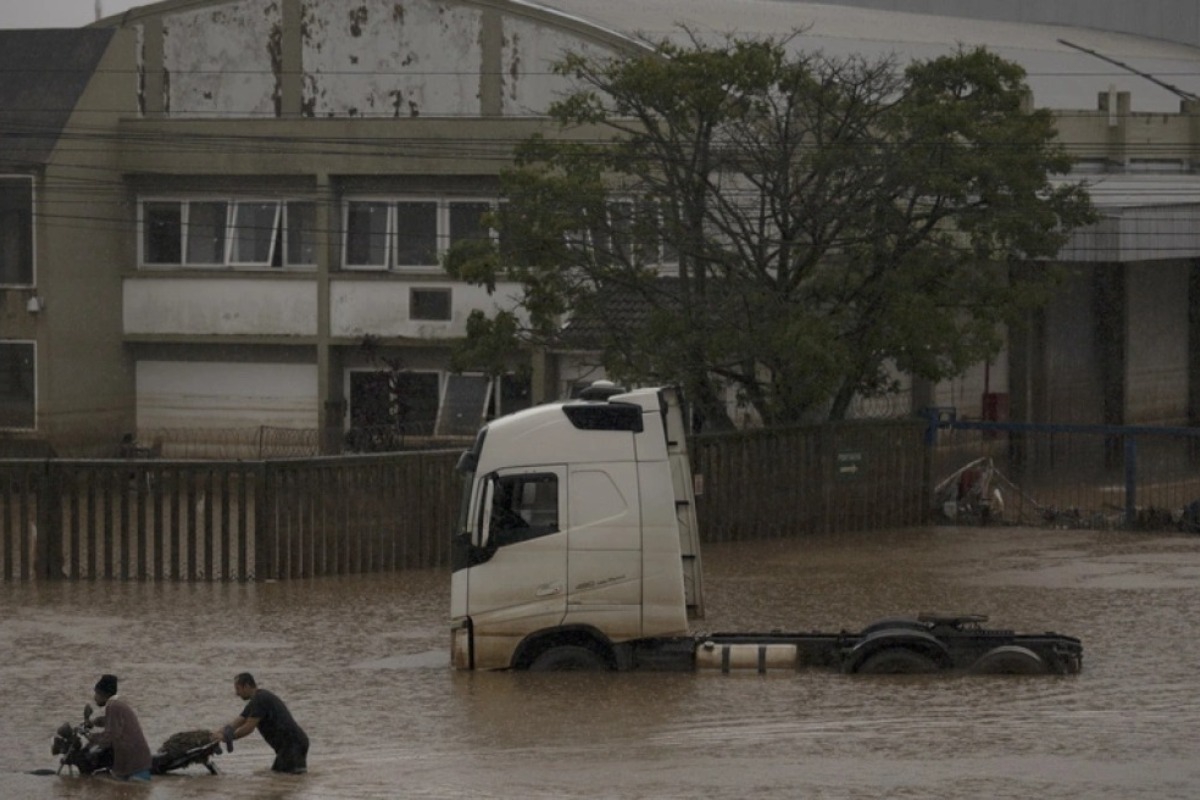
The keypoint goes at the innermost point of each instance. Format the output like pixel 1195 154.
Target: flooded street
pixel 363 664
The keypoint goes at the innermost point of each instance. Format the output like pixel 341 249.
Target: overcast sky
pixel 58 13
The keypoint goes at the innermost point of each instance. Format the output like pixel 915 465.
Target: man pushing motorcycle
pixel 268 714
pixel 122 733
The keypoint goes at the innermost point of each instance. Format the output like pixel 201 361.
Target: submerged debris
pixel 975 494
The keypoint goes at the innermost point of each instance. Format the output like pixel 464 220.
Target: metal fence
pixel 190 520
pixel 783 482
pixel 160 519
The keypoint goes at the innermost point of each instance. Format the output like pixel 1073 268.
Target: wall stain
pixel 141 69
pixel 275 53
pixel 308 99
pixel 514 67
pixel 358 18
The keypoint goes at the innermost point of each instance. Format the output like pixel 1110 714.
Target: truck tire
pixel 897 661
pixel 569 657
pixel 1009 660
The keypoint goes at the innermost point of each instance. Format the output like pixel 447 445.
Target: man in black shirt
pixel 268 713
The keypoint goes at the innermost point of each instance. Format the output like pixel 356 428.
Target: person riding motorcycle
pixel 122 732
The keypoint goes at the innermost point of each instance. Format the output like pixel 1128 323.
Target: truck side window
pixel 524 507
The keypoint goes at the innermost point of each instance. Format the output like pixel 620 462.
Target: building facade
pixel 224 228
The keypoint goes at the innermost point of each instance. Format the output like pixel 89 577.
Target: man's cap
pixel 107 685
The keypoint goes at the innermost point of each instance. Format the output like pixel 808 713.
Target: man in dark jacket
pixel 266 712
pixel 122 732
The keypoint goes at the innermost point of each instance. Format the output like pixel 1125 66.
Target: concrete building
pixel 220 219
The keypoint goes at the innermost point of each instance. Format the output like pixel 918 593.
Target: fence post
pixel 264 526
pixel 1130 480
pixel 49 521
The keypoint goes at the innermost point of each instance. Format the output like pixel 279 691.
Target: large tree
pixel 793 227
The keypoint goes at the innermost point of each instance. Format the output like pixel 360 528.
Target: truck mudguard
pixel 880 639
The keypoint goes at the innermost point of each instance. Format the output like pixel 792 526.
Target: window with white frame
pixel 249 233
pixel 628 232
pixel 16 230
pixel 18 385
pixel 408 233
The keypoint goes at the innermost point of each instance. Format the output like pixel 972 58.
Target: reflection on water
pixel 363 663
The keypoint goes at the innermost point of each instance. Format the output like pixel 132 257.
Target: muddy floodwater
pixel 363 663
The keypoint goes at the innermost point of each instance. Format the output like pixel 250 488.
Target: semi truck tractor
pixel 577 547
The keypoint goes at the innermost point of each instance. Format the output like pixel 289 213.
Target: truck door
pixel 519 584
pixel 604 572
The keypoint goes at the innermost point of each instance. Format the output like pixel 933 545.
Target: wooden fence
pixel 159 519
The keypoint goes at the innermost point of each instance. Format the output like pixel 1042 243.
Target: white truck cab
pixel 577 531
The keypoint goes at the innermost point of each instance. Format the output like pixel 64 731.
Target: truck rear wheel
pixel 1009 660
pixel 897 661
pixel 568 657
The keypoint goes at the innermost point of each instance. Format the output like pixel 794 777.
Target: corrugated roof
pixel 1061 77
pixel 42 74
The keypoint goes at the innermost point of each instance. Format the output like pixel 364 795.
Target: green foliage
pixel 794 228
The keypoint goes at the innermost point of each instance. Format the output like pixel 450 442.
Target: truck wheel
pixel 568 657
pixel 1009 660
pixel 897 661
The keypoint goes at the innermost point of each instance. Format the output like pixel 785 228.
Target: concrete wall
pixel 352 58
pixel 1156 383
pixel 84 375
pixel 1072 391
pixel 381 308
pixel 206 306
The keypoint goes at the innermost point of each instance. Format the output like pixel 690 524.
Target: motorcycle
pixel 76 751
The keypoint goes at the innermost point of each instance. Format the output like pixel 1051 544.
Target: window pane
pixel 466 401
pixel 466 221
pixel 16 231
pixel 400 400
pixel 620 222
pixel 416 401
pixel 648 234
pixel 17 385
pixel 524 507
pixel 301 233
pixel 369 402
pixel 429 304
pixel 254 232
pixel 416 234
pixel 162 233
pixel 516 393
pixel 206 233
pixel 366 234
